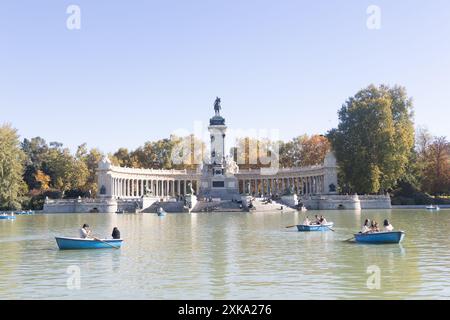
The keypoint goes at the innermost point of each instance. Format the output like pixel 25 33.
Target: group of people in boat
pixel 86 232
pixel 372 226
pixel 318 221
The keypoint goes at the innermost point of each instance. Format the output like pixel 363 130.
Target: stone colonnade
pixel 156 186
pixel 118 182
pixel 301 185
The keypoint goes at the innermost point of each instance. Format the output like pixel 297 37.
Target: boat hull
pixel 7 218
pixel 380 237
pixel 85 244
pixel 311 228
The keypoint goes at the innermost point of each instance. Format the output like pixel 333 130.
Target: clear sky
pixel 138 70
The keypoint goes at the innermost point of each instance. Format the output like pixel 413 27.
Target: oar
pixel 109 244
pixel 349 239
pixel 330 228
pixel 291 226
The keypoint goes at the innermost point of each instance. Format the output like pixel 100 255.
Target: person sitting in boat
pixel 85 232
pixel 323 220
pixel 387 226
pixel 115 233
pixel 374 227
pixel 306 222
pixel 317 219
pixel 366 227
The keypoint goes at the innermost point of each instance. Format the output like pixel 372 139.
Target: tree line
pixel 376 145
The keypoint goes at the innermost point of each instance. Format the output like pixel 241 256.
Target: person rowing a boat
pixel 115 233
pixel 306 222
pixel 323 220
pixel 387 226
pixel 366 227
pixel 85 232
pixel 317 220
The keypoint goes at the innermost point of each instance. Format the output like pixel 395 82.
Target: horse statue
pixel 217 106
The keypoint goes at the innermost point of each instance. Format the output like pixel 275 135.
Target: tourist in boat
pixel 317 219
pixel 115 233
pixel 374 227
pixel 323 220
pixel 366 226
pixel 306 222
pixel 85 232
pixel 387 226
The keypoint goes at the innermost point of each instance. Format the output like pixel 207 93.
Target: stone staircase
pixel 270 207
pixel 217 206
pixel 170 207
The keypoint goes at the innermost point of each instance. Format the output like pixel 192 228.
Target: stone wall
pixel 375 202
pixel 79 206
pixel 346 202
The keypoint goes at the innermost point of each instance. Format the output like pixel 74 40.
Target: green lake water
pixel 226 256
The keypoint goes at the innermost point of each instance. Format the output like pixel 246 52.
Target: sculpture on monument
pixel 217 106
pixel 231 167
pixel 190 190
pixel 249 188
pixel 147 192
pixel 289 191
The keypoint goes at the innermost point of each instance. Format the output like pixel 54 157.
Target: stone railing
pixel 374 196
pixel 151 171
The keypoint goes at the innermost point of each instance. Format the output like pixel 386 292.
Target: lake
pixel 226 256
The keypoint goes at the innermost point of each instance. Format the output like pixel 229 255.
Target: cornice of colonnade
pixel 150 174
pixel 282 172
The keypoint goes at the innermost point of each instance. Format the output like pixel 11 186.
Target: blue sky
pixel 138 70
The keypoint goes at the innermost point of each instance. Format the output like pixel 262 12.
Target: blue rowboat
pixel 7 217
pixel 29 212
pixel 380 237
pixel 78 244
pixel 315 227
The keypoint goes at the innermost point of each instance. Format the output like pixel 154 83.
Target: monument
pixel 215 184
pixel 218 179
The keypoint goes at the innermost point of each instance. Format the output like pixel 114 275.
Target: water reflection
pixel 225 256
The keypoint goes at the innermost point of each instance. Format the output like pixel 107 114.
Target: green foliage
pixel 374 139
pixel 11 168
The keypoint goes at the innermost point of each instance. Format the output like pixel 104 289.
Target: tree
pixel 11 168
pixel 43 180
pixel 436 167
pixel 251 153
pixel 123 157
pixel 92 160
pixel 35 152
pixel 374 138
pixel 66 171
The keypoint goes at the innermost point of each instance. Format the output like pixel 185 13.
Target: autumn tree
pixel 42 180
pixel 303 151
pixel 435 159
